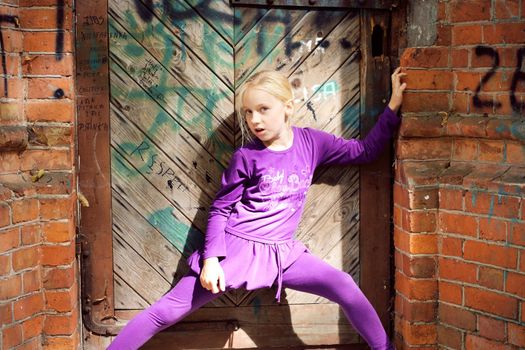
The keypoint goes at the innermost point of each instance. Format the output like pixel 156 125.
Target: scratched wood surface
pixel 174 68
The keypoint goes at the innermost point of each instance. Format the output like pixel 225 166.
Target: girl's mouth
pixel 259 130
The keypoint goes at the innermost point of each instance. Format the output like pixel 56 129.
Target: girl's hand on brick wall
pixel 397 90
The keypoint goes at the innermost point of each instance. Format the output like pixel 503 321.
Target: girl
pixel 249 238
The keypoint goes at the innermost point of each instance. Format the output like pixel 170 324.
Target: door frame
pixel 94 233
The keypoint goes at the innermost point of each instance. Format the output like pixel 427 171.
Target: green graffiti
pixel 185 238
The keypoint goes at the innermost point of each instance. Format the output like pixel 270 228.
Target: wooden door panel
pixel 174 66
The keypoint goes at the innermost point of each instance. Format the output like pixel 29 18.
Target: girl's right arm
pixel 232 187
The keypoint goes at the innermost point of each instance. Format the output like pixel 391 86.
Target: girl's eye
pixel 264 109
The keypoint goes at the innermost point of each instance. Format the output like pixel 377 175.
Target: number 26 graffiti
pixel 518 75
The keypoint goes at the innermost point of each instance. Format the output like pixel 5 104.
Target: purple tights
pixel 308 274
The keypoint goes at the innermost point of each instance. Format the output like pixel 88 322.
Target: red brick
pixel 418 289
pixel 58 255
pixel 450 246
pixel 30 234
pixel 61 301
pixel 450 292
pixel 11 336
pixel 400 195
pixel 60 325
pixel 466 35
pixel 47 87
pixel 32 281
pixel 491 151
pixel 5 214
pixel 58 278
pixel 481 178
pixel 517 334
pixel 28 306
pixel 25 210
pixel 56 208
pixel 421 126
pixel 492 204
pixel 515 153
pixel 419 311
pixel 490 278
pixel 522 260
pixel 48 65
pixel 465 149
pixel 426 198
pixel 431 57
pixel 26 258
pixel 515 284
pixel 420 173
pixel 444 34
pixel 5 264
pixel 517 233
pixel 451 199
pixel 457 317
pixel 459 58
pixel 11 113
pixel 459 224
pixel 32 344
pixel 61 343
pixel 31 3
pixel 9 162
pixel 469 10
pixel 419 334
pixel 12 40
pixel 504 107
pixel 33 327
pixel 424 149
pixel 477 343
pixel 46 159
pixel 421 267
pixel 6 314
pixel 467 80
pixel 422 244
pixel 9 239
pixel 505 9
pixel 457 270
pixel 449 337
pixel 504 33
pixel 419 221
pixel 492 229
pixel 50 111
pixel 57 231
pixel 491 328
pixel 460 104
pixel 498 82
pixel 36 42
pixel 490 254
pixel 43 135
pixel 473 127
pixel 15 88
pixel 486 106
pixel 43 18
pixel 494 303
pixel 429 79
pixel 426 101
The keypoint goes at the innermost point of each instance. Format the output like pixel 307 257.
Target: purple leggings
pixel 307 274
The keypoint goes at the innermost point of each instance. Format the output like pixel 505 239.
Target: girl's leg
pixel 187 296
pixel 312 275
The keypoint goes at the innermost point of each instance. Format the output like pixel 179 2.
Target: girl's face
pixel 267 118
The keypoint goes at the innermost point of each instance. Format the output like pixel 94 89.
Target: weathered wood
pixel 218 13
pixel 134 35
pixel 179 103
pixel 257 327
pixel 152 163
pixel 93 134
pixel 194 160
pixel 245 19
pixel 262 39
pixel 126 297
pixel 376 178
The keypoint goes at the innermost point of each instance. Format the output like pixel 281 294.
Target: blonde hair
pixel 269 81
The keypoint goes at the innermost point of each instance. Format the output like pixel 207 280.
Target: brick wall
pixel 38 277
pixel 459 208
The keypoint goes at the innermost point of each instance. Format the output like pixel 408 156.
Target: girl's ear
pixel 289 108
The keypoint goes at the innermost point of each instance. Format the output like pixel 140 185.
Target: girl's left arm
pixel 337 150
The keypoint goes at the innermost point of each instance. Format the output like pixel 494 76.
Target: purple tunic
pixel 256 212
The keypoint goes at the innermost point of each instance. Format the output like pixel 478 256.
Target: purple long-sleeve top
pixel 263 191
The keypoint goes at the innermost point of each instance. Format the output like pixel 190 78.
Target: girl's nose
pixel 256 117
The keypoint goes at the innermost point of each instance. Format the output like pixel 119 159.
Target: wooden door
pixel 174 66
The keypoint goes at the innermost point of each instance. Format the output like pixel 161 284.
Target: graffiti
pixel 325 91
pixel 59 43
pixel 5 19
pixel 487 51
pixel 518 75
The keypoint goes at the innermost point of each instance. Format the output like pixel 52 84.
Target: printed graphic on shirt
pixel 285 188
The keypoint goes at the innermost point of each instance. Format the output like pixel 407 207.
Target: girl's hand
pixel 212 276
pixel 397 90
